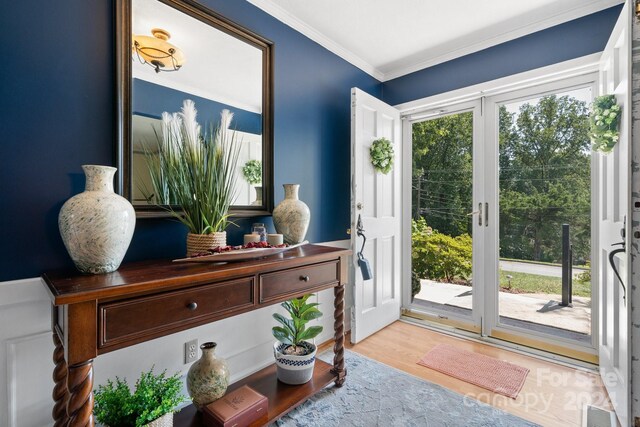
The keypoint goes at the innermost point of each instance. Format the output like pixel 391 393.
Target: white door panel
pixel 375 198
pixel 613 209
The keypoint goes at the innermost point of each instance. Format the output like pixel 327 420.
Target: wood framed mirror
pixel 210 60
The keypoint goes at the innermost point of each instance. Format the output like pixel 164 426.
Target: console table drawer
pixel 140 317
pixel 276 285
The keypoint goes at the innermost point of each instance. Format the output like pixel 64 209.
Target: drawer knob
pixel 192 306
pixel 304 278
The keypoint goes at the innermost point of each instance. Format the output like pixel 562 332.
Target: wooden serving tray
pixel 240 254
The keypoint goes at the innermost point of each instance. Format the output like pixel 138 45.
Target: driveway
pixel 540 269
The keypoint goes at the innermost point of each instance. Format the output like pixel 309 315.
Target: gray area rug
pixel 379 395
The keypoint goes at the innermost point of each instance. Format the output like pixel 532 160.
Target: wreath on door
pixel 604 121
pixel 381 152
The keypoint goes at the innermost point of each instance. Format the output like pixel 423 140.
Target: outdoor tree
pixel 544 176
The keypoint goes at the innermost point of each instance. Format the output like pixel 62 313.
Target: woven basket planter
pixel 198 243
pixel 164 421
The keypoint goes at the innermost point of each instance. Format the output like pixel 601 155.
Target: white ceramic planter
pixel 97 225
pixel 293 369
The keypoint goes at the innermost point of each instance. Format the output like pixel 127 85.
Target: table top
pixel 71 286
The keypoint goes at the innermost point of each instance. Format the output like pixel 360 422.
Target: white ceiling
pixel 217 66
pixel 388 39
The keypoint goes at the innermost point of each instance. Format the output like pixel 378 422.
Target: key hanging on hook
pixel 363 263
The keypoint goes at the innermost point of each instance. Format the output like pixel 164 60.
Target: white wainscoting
pixel 26 345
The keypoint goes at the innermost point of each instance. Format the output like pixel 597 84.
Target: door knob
pixel 359 206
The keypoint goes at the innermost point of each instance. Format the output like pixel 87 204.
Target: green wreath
pixel 252 171
pixel 604 120
pixel 381 152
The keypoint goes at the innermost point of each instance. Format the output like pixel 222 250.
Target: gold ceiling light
pixel 157 51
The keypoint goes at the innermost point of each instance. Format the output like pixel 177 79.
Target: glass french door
pixel 447 215
pixel 498 186
pixel 539 241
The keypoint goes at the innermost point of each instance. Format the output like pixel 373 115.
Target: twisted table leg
pixel 80 405
pixel 60 393
pixel 338 327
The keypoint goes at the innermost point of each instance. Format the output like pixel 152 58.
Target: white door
pixel 613 210
pixel 375 199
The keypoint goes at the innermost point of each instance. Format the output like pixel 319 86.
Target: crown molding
pixel 290 20
pixel 449 51
pixel 437 55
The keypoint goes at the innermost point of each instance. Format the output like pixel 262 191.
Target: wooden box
pixel 239 408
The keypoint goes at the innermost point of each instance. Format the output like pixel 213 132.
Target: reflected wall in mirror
pixel 211 61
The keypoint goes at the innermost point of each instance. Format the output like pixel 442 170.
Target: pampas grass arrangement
pixel 192 172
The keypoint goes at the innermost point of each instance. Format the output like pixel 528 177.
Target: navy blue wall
pixel 57 114
pixel 58 102
pixel 566 41
pixel 151 100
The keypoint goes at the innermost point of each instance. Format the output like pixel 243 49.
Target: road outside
pixel 539 269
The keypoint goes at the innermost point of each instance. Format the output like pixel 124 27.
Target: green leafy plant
pixel 192 172
pixel 154 396
pixel 294 330
pixel 252 171
pixel 604 120
pixel 381 152
pixel 438 256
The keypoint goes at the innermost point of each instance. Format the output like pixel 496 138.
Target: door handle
pixel 486 214
pixel 612 254
pixel 478 212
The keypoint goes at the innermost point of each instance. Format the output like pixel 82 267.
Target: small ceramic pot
pixel 294 369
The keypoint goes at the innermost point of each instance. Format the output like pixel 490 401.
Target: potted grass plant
pixel 295 356
pixel 193 175
pixel 152 403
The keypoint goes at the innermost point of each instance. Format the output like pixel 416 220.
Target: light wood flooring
pixel 553 395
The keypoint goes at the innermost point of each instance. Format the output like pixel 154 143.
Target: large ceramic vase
pixel 97 225
pixel 291 217
pixel 201 243
pixel 208 377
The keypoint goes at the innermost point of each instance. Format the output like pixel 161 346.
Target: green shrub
pixel 585 276
pixel 438 256
pixel 154 396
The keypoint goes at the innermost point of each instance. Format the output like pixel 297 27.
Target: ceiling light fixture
pixel 157 51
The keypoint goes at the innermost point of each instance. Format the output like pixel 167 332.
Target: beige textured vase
pixel 208 377
pixel 291 217
pixel 198 243
pixel 97 225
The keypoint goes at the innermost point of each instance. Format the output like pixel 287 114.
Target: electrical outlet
pixel 190 351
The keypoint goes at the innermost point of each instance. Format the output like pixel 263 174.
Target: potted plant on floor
pixel 193 175
pixel 152 404
pixel 295 356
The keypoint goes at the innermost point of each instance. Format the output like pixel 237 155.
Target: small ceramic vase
pixel 97 225
pixel 291 217
pixel 208 377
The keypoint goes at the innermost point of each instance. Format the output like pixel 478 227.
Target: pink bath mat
pixel 487 372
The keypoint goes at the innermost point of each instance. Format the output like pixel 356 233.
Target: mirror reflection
pixel 177 57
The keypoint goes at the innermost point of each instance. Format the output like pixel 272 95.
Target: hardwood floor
pixel 553 395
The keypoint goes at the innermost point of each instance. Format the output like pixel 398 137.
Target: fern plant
pixel 293 330
pixel 154 396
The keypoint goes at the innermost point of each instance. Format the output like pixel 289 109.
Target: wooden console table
pixel 96 314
